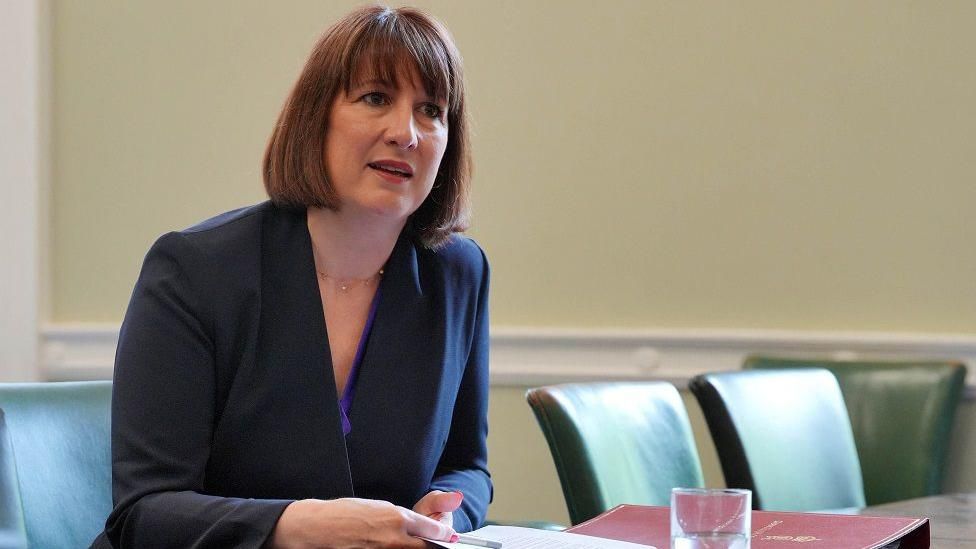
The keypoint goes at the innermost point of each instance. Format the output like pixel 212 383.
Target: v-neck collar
pixel 349 391
pixel 295 339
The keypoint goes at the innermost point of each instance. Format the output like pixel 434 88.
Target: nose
pixel 401 131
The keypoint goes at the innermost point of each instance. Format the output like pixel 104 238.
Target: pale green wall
pixel 804 165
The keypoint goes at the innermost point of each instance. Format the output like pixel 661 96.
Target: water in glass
pixel 710 540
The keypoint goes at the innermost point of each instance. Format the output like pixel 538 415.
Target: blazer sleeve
pixel 464 463
pixel 163 414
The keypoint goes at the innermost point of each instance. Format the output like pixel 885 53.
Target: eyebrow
pixel 385 83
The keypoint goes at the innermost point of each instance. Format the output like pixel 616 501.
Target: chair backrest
pixel 901 414
pixel 785 435
pixel 59 434
pixel 616 443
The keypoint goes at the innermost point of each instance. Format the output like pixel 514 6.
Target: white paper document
pixel 514 537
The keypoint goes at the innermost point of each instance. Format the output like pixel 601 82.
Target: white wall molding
pixel 21 83
pixel 531 356
pixel 536 356
pixel 78 351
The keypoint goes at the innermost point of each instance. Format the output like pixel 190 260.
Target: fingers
pixel 425 527
pixel 439 505
pixel 442 517
pixel 351 522
pixel 437 501
pixel 451 500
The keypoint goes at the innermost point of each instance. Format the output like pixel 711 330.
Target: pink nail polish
pixel 454 538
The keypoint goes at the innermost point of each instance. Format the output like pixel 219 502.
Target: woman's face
pixel 383 145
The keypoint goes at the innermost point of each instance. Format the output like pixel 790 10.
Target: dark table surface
pixel 952 517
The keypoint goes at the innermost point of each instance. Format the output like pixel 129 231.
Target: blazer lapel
pixel 294 345
pixel 401 315
pixel 398 381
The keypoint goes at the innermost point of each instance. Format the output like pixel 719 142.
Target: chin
pixel 391 206
pixel 390 210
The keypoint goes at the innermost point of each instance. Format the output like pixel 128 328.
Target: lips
pixel 392 169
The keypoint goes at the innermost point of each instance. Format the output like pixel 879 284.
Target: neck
pixel 350 248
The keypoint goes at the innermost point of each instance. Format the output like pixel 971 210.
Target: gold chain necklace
pixel 344 285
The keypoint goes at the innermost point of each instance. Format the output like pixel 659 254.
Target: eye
pixel 432 110
pixel 375 99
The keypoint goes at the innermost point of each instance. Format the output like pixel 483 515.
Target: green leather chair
pixel 12 531
pixel 616 443
pixel 902 415
pixel 785 435
pixel 59 442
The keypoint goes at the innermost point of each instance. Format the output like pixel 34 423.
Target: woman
pixel 312 371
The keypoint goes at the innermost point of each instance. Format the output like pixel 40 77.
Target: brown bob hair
pixel 384 41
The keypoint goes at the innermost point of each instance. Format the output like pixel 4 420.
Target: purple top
pixel 346 401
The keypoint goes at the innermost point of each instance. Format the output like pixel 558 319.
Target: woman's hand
pixel 352 522
pixel 439 506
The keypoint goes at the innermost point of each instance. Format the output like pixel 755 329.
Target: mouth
pixel 392 168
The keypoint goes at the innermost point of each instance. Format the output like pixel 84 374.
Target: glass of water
pixel 710 518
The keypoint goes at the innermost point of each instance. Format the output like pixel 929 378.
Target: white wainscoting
pixel 537 356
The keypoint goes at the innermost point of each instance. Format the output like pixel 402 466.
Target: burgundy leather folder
pixel 770 529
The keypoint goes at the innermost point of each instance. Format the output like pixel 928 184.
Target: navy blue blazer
pixel 225 407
